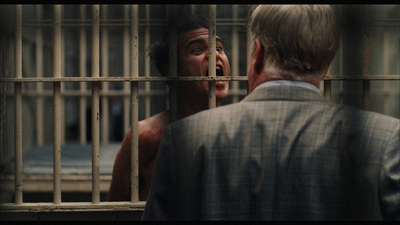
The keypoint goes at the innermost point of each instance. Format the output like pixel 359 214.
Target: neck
pixel 187 105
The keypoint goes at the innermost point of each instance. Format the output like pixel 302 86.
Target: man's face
pixel 193 57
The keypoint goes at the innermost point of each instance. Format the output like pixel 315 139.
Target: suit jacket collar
pixel 283 93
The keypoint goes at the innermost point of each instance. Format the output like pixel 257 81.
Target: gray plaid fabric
pixel 282 153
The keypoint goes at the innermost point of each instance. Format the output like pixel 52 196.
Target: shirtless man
pixel 192 98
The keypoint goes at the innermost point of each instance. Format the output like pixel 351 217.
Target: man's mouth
pixel 218 71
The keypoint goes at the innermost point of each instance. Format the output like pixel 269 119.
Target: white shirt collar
pixel 290 83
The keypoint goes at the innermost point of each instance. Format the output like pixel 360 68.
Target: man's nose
pixel 218 55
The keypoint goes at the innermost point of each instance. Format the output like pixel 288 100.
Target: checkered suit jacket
pixel 281 153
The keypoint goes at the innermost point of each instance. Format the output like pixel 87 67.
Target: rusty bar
pixel 82 73
pixel 235 55
pixel 386 69
pixel 39 86
pixel 57 105
pixel 367 59
pixel 147 63
pixel 173 70
pixel 212 56
pixel 134 104
pixel 95 105
pixel 18 105
pixel 104 73
pixel 126 64
pixel 181 78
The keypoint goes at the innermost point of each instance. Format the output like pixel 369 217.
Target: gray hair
pixel 297 39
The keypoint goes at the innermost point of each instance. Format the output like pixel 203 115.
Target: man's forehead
pixel 195 36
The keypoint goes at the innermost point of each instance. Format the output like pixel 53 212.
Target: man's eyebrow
pixel 218 40
pixel 200 40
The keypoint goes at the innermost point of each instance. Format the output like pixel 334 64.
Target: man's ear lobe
pixel 258 57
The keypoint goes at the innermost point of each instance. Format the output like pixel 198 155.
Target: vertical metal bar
pixel 327 89
pixel 62 84
pixel 39 86
pixel 367 42
pixel 173 71
pixel 147 62
pixel 18 42
pixel 126 64
pixel 212 56
pixel 192 9
pixel 248 39
pixel 57 105
pixel 104 73
pixel 95 105
pixel 366 94
pixel 235 55
pixel 341 94
pixel 386 66
pixel 134 104
pixel 82 73
pixel 18 142
pixel 18 105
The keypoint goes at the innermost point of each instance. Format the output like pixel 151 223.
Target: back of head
pixel 159 50
pixel 297 39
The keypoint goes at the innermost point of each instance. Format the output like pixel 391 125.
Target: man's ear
pixel 258 56
pixel 325 73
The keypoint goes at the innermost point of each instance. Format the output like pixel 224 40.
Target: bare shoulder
pixel 149 130
pixel 152 128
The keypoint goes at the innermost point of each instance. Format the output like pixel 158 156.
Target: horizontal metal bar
pixel 143 22
pixel 121 79
pixel 186 78
pixel 123 93
pixel 43 183
pixel 72 207
pixel 121 22
pixel 88 93
pixel 363 77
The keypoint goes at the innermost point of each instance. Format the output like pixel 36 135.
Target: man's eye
pixel 219 49
pixel 196 50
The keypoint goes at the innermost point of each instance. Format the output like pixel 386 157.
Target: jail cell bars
pixel 136 85
pixel 98 81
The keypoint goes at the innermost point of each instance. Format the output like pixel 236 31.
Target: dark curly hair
pixel 159 50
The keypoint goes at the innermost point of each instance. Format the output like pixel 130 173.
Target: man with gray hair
pixel 283 152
